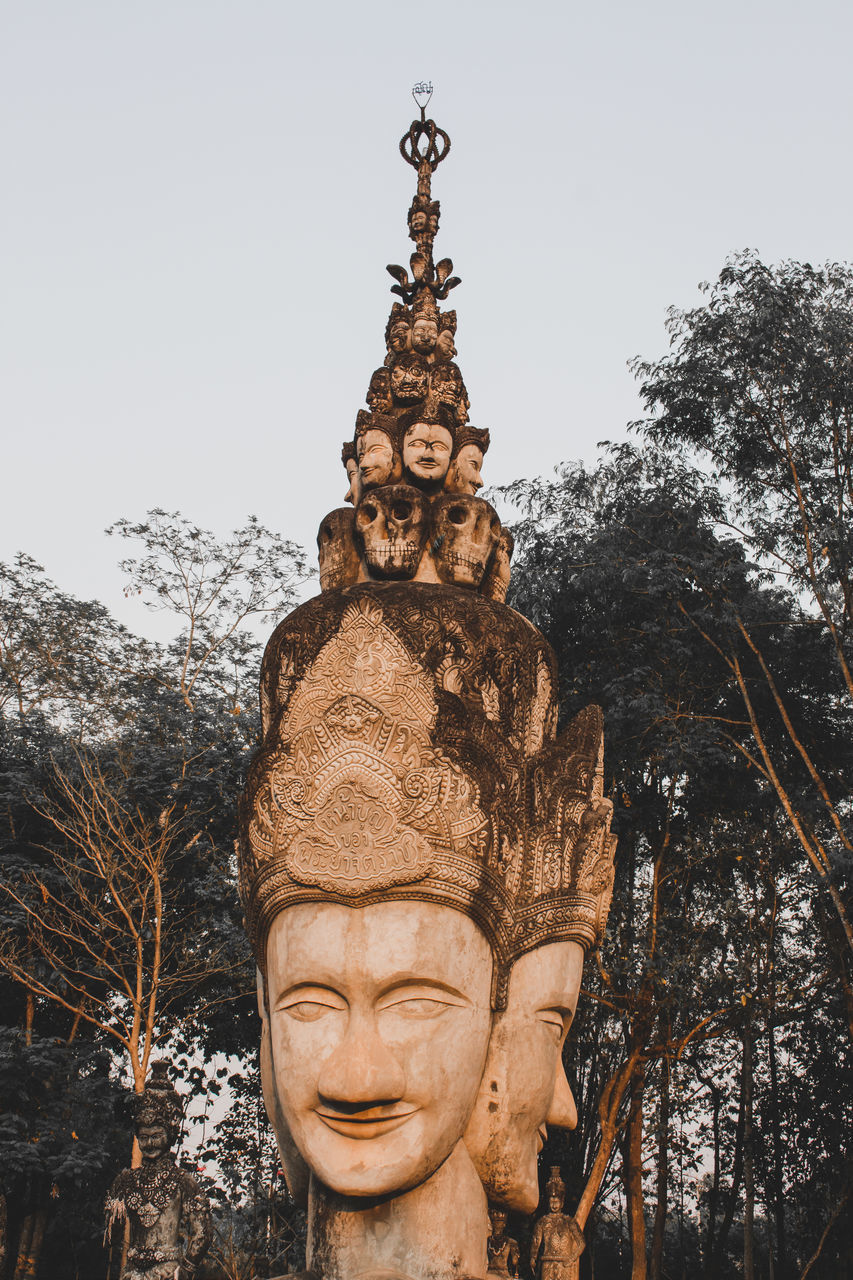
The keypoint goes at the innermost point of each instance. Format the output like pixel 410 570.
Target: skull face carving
pixel 496 581
pixel 392 524
pixel 339 558
pixel 465 533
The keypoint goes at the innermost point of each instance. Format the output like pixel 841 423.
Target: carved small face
pixel 426 451
pixel 399 337
pixel 447 385
pixel 408 381
pixel 338 555
pixel 445 347
pixel 555 1202
pixel 392 524
pixel 464 474
pixel 379 392
pixel 418 221
pixel 375 458
pixel 466 533
pixel 524 1084
pixel 353 493
pixel 379 1025
pixel 153 1140
pixel 424 335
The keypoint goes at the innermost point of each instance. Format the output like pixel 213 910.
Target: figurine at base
pixel 160 1202
pixel 504 1253
pixel 557 1236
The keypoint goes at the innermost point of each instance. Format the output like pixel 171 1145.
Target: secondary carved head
pixel 427 447
pixel 379 1027
pixel 524 1087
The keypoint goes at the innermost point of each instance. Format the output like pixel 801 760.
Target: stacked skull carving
pixel 414 463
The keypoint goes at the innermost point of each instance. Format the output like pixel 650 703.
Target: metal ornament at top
pixel 424 147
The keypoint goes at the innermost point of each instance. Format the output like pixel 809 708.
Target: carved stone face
pixel 524 1084
pixel 153 1140
pixel 376 459
pixel 418 221
pixel 445 347
pixel 354 492
pixel 466 533
pixel 424 335
pixel 398 338
pixel 379 1026
pixel 464 474
pixel 426 451
pixel 447 385
pixel 379 392
pixel 392 523
pixel 408 381
pixel 338 555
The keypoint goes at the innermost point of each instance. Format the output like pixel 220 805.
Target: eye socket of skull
pixel 393 529
pixel 465 533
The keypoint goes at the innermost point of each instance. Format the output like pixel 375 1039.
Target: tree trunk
pixel 748 1160
pixel 656 1256
pixel 778 1177
pixel 633 1175
pixel 29 1249
pixel 716 1248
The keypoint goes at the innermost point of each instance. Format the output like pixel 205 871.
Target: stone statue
pixel 504 1253
pixel 162 1203
pixel 557 1242
pixel 424 861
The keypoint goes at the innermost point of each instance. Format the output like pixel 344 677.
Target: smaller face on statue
pixel 445 347
pixel 409 380
pixel 464 475
pixel 426 451
pixel 375 458
pixel 379 1024
pixel 524 1084
pixel 399 337
pixel 153 1140
pixel 424 335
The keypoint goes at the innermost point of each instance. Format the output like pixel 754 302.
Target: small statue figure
pixel 504 1253
pixel 160 1201
pixel 557 1235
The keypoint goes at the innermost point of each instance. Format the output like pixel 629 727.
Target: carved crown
pixel 410 752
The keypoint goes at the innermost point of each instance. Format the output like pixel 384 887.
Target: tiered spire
pixel 414 460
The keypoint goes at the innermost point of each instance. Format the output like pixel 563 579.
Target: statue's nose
pixel 361 1070
pixel 563 1112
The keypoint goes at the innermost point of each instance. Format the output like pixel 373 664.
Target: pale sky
pixel 200 197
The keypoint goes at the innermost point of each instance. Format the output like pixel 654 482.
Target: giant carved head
pixel 421 875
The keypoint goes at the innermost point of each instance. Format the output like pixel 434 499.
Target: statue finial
pixel 424 147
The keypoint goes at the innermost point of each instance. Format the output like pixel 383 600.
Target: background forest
pixel 698 584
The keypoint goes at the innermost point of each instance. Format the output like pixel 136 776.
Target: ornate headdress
pixel 159 1103
pixel 410 753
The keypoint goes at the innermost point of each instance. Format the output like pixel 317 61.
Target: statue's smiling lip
pixel 369 1122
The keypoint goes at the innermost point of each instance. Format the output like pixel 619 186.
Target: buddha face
pixel 375 458
pixel 409 381
pixel 524 1085
pixel 379 1025
pixel 464 474
pixel 426 451
pixel 424 335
